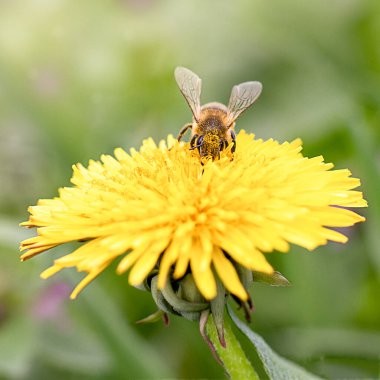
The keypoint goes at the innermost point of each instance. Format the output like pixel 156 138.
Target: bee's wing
pixel 243 96
pixel 190 86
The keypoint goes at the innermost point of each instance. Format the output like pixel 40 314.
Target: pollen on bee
pixel 211 145
pixel 211 139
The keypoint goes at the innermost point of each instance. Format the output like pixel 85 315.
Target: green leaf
pixel 275 366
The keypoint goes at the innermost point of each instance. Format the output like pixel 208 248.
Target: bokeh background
pixel 79 78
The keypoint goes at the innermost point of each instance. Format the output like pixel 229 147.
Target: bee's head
pixel 209 145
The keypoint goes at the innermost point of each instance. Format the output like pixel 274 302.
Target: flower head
pixel 160 209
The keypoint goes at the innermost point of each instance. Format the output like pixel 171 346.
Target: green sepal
pixel 179 304
pixel 188 290
pixel 274 279
pixel 152 318
pixel 191 316
pixel 159 299
pixel 245 275
pixel 217 310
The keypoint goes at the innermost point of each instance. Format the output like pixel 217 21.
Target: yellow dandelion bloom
pixel 160 208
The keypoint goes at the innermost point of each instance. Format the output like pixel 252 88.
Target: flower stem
pixel 234 360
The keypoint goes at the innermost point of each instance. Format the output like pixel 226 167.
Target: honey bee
pixel 212 129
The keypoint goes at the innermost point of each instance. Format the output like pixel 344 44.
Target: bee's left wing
pixel 243 96
pixel 190 86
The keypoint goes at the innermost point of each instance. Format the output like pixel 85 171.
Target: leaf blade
pixel 276 367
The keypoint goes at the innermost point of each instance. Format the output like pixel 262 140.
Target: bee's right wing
pixel 243 96
pixel 190 86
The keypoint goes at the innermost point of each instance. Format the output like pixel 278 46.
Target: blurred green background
pixel 79 78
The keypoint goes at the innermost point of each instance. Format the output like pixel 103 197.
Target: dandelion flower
pixel 160 209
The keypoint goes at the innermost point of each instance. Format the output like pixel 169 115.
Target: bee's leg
pixel 183 131
pixel 233 137
pixel 192 142
pixel 223 144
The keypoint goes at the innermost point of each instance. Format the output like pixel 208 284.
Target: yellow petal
pixel 86 281
pixel 183 257
pixel 227 273
pixel 50 271
pixel 204 279
pixel 146 262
